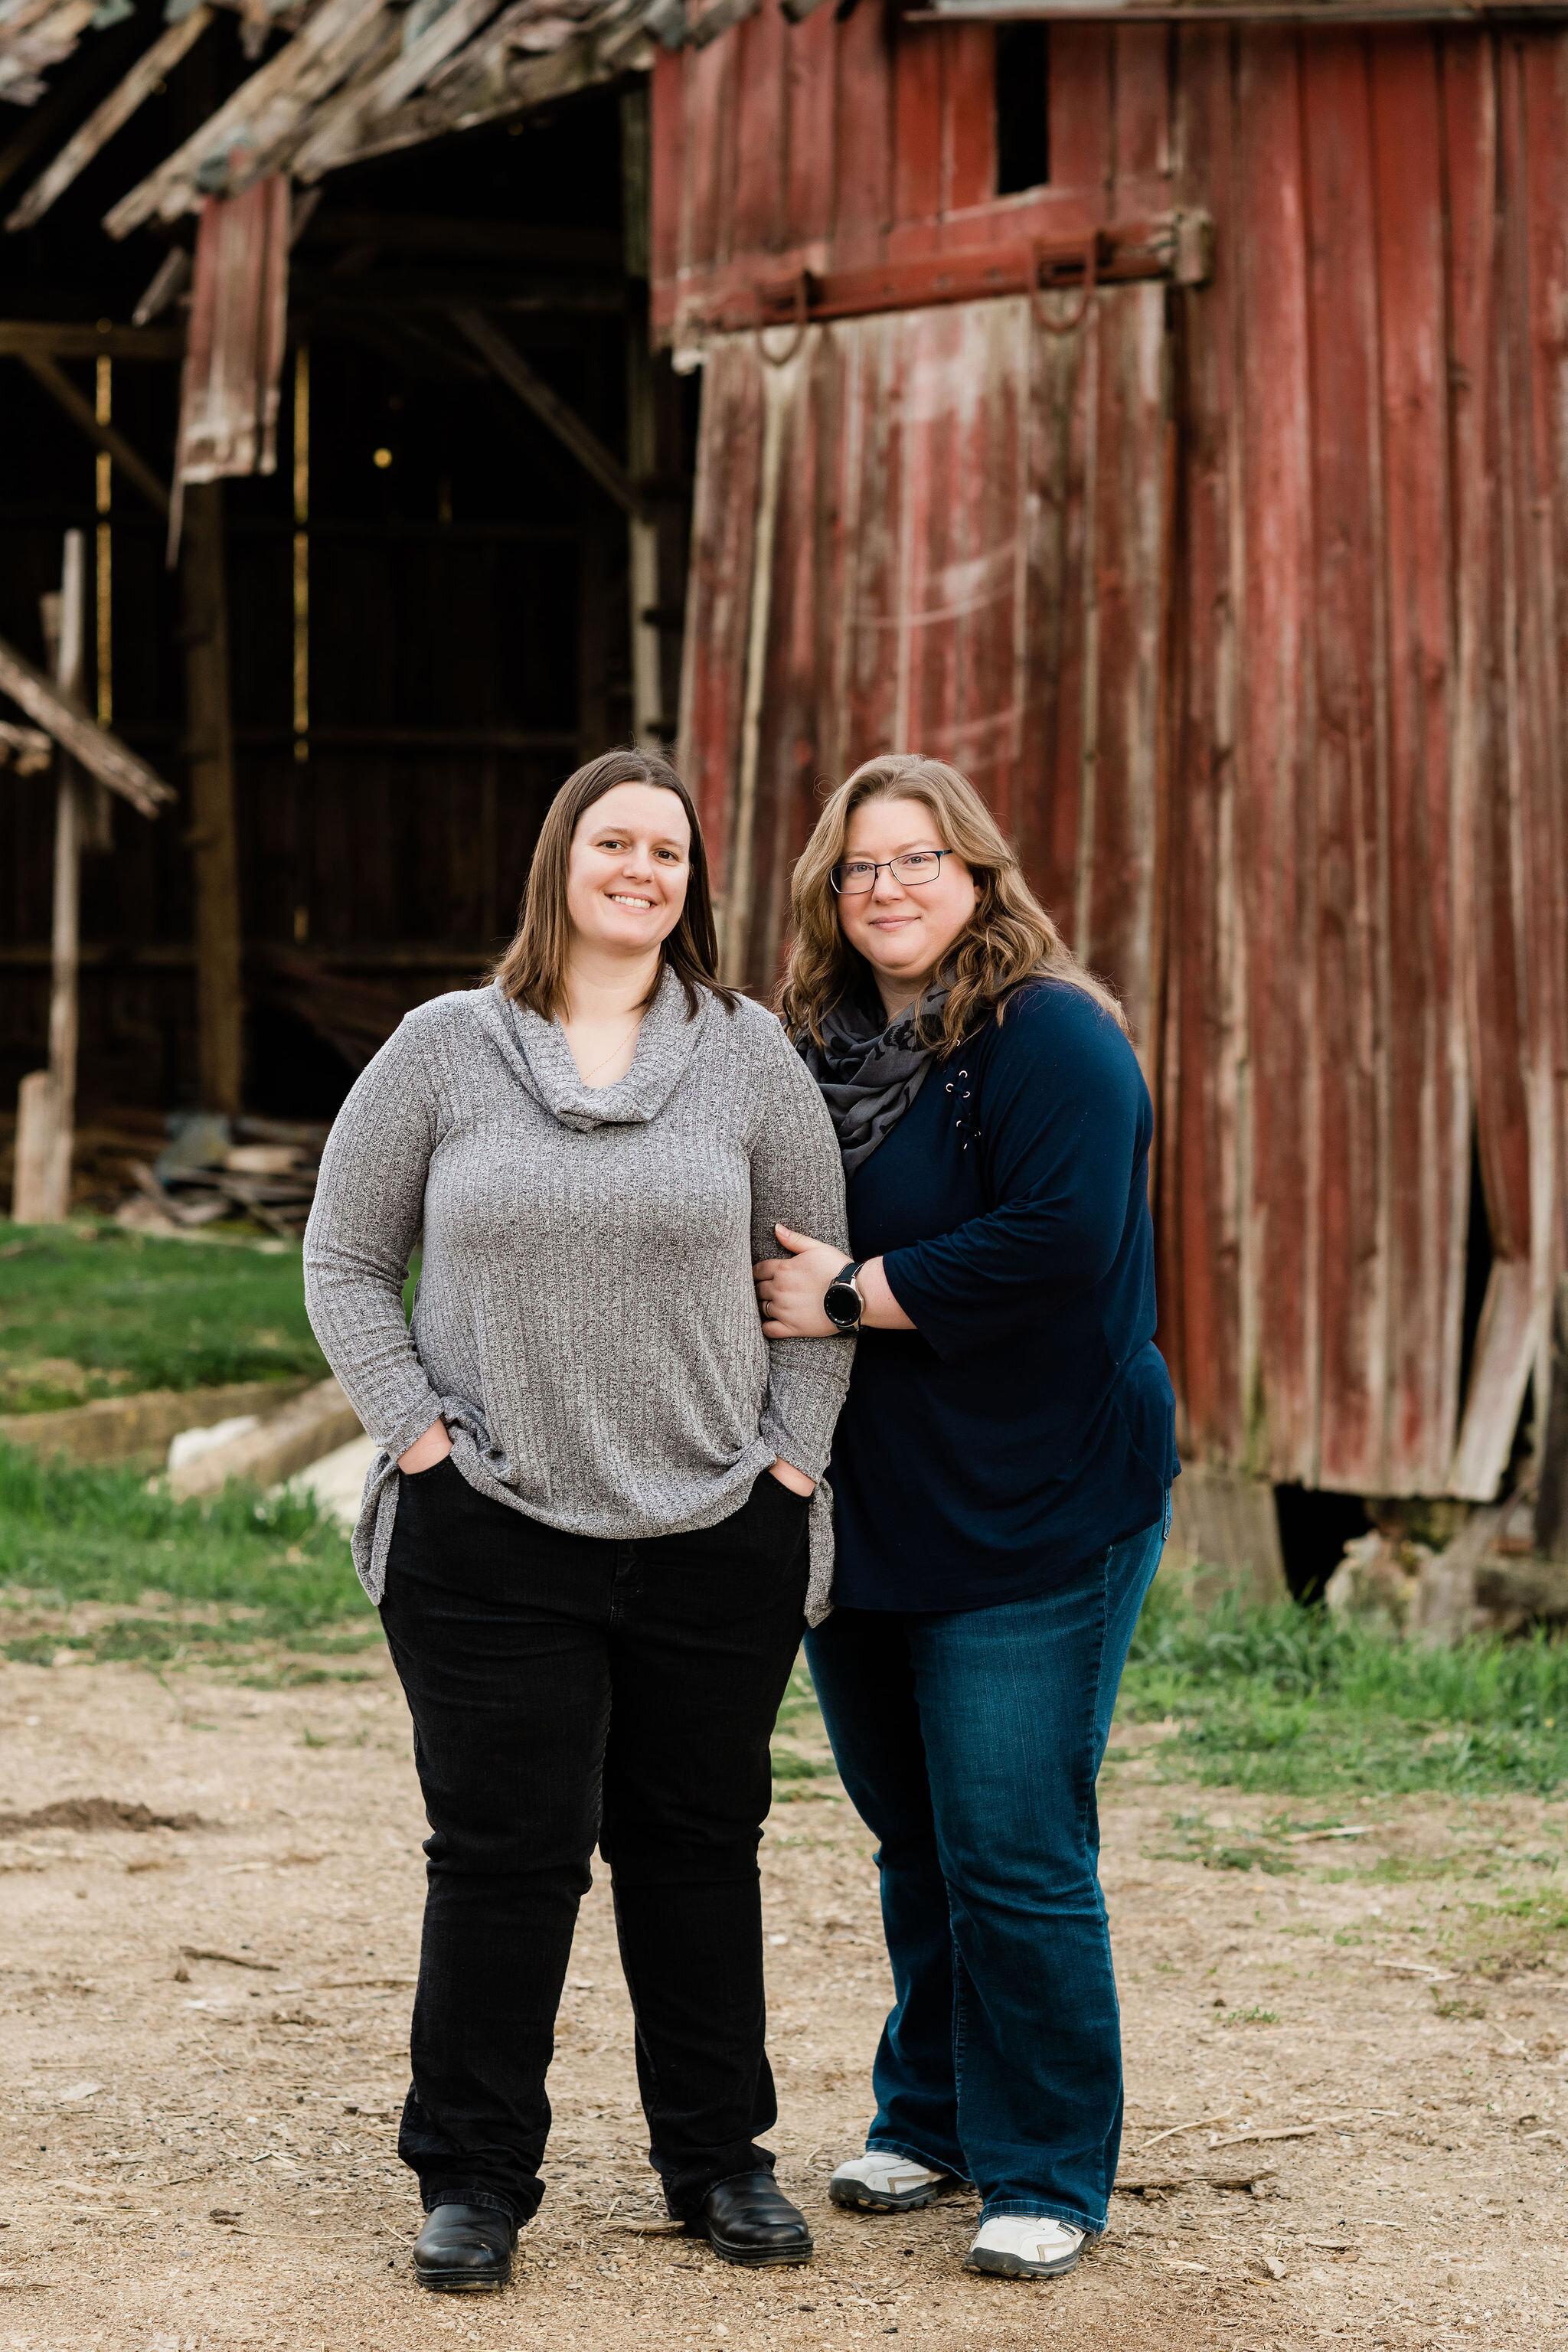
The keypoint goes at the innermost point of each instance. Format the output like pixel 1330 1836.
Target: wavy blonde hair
pixel 1011 938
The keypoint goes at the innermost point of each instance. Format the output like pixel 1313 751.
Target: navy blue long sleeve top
pixel 1028 1422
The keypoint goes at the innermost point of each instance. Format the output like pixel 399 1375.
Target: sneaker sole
pixel 761 2258
pixel 1000 2265
pixel 857 2198
pixel 463 2282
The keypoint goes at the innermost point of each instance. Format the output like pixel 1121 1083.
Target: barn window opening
pixel 1022 129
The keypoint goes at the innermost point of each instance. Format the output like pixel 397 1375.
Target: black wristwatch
pixel 842 1301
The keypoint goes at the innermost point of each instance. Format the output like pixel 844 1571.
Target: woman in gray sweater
pixel 596 1521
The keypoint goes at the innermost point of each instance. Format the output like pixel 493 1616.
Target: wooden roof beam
pixel 72 339
pixel 145 76
pixel 50 119
pixel 484 83
pixel 92 746
pixel 61 390
pixel 334 130
pixel 266 112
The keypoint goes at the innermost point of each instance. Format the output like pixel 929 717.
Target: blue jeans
pixel 970 1743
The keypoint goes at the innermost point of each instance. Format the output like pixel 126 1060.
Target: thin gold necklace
pixel 597 1066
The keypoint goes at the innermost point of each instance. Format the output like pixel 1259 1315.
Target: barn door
pixel 941 530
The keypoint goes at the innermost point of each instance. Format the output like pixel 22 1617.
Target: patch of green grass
pixel 799 1720
pixel 93 1310
pixel 1250 2017
pixel 1291 1699
pixel 1198 1840
pixel 256 1568
pixel 1526 1929
pixel 1405 1869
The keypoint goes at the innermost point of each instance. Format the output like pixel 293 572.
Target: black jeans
pixel 565 1689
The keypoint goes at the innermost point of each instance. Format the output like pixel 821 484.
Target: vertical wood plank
pixel 1141 102
pixel 863 175
pixel 1429 1137
pixel 1047 688
pixel 710 111
pixel 1274 840
pixel 762 159
pixel 1545 95
pixel 872 480
pixel 917 124
pixel 1350 779
pixel 1129 569
pixel 1494 979
pixel 962 511
pixel 812 127
pixel 1489 785
pixel 1197 1228
pixel 723 527
pixel 968 112
pixel 1079 103
pixel 806 584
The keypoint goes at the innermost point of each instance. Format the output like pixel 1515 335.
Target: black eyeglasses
pixel 913 868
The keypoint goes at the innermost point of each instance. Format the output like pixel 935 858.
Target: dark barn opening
pixel 1315 1528
pixel 429 613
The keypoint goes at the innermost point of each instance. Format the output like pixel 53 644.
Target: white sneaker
pixel 1025 2245
pixel 879 2183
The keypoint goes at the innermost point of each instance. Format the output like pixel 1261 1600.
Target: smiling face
pixel 629 865
pixel 904 933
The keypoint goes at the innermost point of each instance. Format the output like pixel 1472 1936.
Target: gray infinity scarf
pixel 869 1076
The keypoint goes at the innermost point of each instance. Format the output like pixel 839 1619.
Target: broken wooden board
pixel 259 124
pixel 64 718
pixel 337 127
pixel 1225 1537
pixel 122 1429
pixel 313 1424
pixel 239 324
pixel 145 76
pixel 1135 2179
pixel 27 749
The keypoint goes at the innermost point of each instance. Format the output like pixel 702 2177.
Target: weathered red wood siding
pixel 1245 605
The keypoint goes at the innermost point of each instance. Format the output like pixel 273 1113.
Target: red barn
pixel 1167 422
pixel 1160 412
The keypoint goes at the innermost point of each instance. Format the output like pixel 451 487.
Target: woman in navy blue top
pixel 1001 1477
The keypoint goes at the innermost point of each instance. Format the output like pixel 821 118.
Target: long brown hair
pixel 1010 939
pixel 533 970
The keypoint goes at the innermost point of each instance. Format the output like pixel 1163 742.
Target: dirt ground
pixel 199 2151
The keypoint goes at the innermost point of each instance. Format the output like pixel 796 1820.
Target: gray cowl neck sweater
pixel 585 1323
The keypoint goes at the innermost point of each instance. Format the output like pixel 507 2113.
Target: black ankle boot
pixel 748 2220
pixel 465 2250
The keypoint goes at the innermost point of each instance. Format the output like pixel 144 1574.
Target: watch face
pixel 843 1303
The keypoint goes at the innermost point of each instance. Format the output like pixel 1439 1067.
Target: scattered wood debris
pixel 230 1959
pixel 212 1169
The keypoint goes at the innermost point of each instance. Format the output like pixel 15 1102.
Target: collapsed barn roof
pixel 350 80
